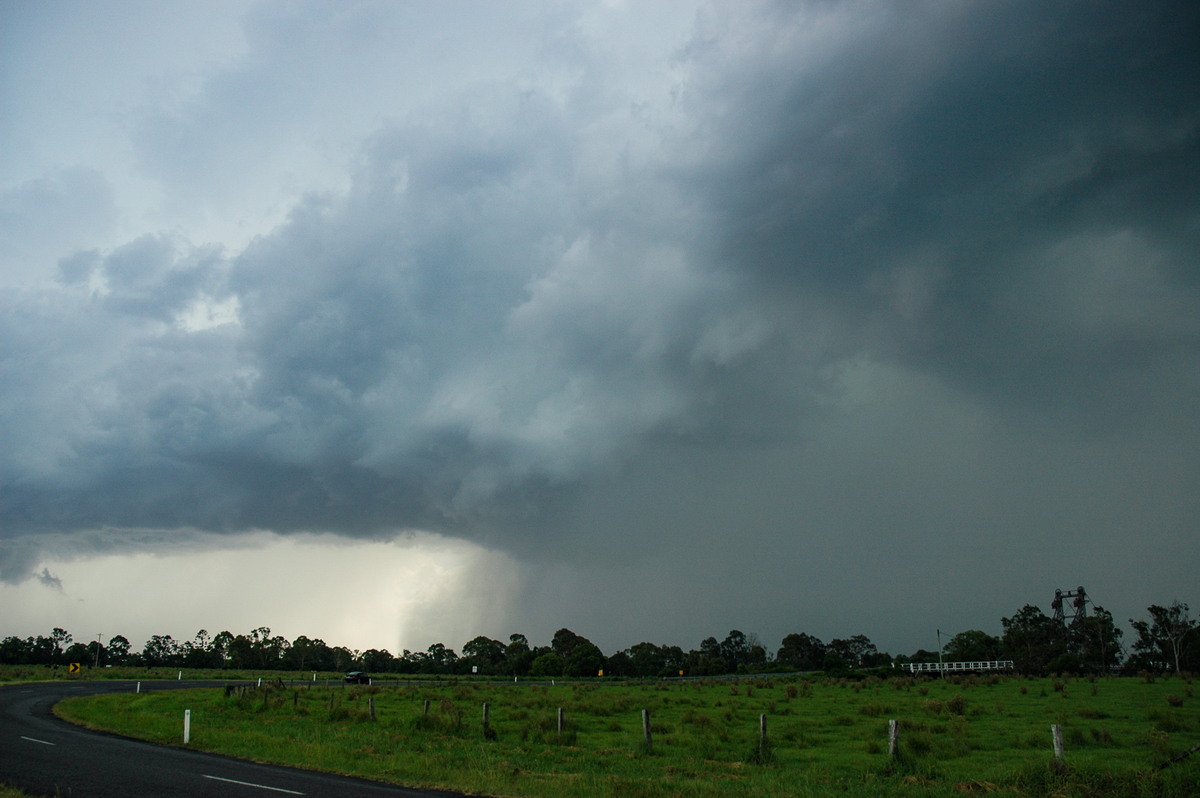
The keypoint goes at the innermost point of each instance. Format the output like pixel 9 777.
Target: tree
pixel 972 645
pixel 78 652
pixel 564 642
pixel 160 650
pixel 198 653
pixel 707 660
pixel 486 654
pixel 265 650
pixel 96 653
pixel 439 659
pixel 1169 637
pixel 118 650
pixel 802 652
pixel 854 651
pixel 619 664
pixel 15 651
pixel 241 653
pixel 547 664
pixel 647 659
pixel 1032 640
pixel 586 659
pixel 517 655
pixel 734 649
pixel 376 661
pixel 220 647
pixel 62 639
pixel 1097 641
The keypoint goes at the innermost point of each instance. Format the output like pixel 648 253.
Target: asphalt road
pixel 42 755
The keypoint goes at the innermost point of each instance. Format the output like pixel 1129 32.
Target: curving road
pixel 43 755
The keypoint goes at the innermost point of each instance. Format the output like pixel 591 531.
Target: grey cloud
pixel 871 284
pixel 45 219
pixel 937 174
pixel 50 580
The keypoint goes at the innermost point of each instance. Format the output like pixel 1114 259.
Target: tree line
pixel 1168 639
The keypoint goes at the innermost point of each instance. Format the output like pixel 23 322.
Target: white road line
pixel 250 784
pixel 35 740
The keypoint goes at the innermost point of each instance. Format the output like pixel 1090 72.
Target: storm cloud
pixel 814 304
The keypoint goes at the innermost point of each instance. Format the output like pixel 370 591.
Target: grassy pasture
pixel 55 673
pixel 957 736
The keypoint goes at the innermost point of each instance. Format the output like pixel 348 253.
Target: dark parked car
pixel 358 677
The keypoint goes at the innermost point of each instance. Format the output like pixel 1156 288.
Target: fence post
pixel 371 706
pixel 488 734
pixel 560 721
pixel 187 726
pixel 426 710
pixel 762 738
pixel 646 728
pixel 893 738
pixel 1056 735
pixel 139 688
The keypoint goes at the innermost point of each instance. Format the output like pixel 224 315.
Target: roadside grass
pixel 54 673
pixel 958 735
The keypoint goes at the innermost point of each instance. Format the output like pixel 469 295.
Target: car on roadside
pixel 358 677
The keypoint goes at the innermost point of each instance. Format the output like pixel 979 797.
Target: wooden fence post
pixel 762 738
pixel 560 721
pixel 426 710
pixel 488 734
pixel 646 728
pixel 1056 735
pixel 371 706
pixel 893 738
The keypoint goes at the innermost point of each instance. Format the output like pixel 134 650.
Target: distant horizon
pixel 771 649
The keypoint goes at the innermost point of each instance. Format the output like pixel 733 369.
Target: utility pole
pixel 98 646
pixel 941 669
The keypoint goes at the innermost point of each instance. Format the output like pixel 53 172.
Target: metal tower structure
pixel 1078 608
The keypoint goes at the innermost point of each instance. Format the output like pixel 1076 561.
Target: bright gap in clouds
pixel 404 593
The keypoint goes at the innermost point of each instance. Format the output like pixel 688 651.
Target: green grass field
pixel 957 736
pixel 45 673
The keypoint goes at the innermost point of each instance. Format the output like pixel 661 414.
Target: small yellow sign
pixel 601 673
pixel 73 667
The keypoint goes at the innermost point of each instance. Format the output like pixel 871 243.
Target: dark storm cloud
pixel 876 278
pixel 1006 187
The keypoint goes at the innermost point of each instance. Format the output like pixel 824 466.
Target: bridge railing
pixel 959 667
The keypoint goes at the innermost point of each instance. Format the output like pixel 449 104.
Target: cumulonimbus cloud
pixel 521 293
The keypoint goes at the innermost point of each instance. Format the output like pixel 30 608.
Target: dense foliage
pixel 1037 644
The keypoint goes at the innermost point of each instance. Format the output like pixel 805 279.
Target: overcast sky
pixel 399 323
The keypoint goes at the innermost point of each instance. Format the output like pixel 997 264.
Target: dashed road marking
pixel 251 784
